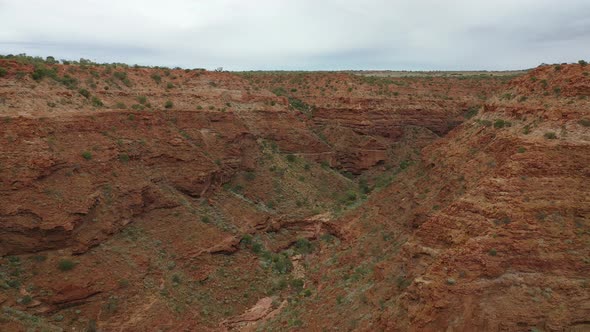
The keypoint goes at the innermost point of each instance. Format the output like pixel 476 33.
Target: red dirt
pixel 336 201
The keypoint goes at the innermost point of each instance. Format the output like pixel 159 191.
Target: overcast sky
pixel 302 34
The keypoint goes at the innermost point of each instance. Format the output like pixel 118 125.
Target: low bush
pixel 27 299
pixel 485 123
pixel 471 112
pixel 123 157
pixel 66 265
pixel 501 124
pixel 96 102
pixel 84 93
pixel 303 246
pixel 120 75
pixel 550 135
pixel 157 78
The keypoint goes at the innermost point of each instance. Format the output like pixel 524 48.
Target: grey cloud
pixel 302 34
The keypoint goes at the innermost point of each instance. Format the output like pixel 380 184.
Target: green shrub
pixel 526 130
pixel 280 91
pixel 13 283
pixel 281 263
pixel 123 157
pixel 471 112
pixel 501 124
pixel 176 279
pixel 291 158
pixel 550 135
pixel 297 284
pixel 521 150
pixel 303 246
pixel 41 71
pixel 169 85
pixel 492 252
pixel 168 104
pixel 66 264
pixel 364 186
pixel 27 299
pixel 38 74
pixel 351 196
pixel 142 99
pixel 247 240
pixel 157 78
pixel 404 164
pixel 583 63
pixel 84 93
pixel 485 123
pixel 585 122
pixel 257 248
pixel 544 84
pixel 120 106
pixel 87 155
pixel 3 72
pixel 298 104
pixel 96 102
pixel 68 81
pixel 402 282
pixel 120 75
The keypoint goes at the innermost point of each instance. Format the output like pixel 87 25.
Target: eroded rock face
pixel 72 178
pixel 76 176
pixel 370 204
pixel 517 233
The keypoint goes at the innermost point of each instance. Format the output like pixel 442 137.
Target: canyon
pixel 158 199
